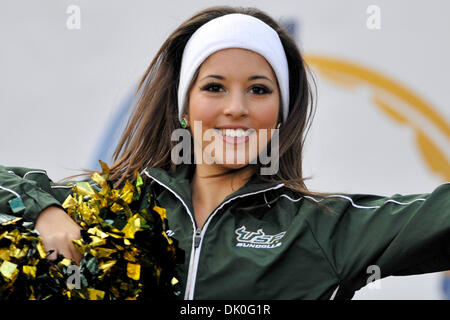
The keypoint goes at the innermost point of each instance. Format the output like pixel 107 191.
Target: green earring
pixel 184 122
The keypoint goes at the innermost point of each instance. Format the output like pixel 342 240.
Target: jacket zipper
pixel 197 238
pixel 194 253
pixel 199 233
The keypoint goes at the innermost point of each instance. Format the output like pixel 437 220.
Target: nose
pixel 236 105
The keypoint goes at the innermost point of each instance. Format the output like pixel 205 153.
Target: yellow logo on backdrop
pixel 398 103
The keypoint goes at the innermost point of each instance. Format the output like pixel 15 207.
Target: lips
pixel 236 140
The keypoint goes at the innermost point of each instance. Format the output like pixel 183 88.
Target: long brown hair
pixel 146 141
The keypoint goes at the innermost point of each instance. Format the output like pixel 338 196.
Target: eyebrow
pixel 216 76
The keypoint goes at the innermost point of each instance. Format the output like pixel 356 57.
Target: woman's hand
pixel 57 231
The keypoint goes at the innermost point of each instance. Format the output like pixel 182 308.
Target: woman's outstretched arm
pixel 30 194
pixel 371 235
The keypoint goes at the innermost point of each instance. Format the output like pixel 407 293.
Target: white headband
pixel 234 31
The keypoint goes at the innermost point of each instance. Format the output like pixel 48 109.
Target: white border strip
pixel 359 206
pixel 293 200
pixel 11 191
pixel 32 172
pixel 62 187
pixel 364 207
pixel 334 293
pixel 265 199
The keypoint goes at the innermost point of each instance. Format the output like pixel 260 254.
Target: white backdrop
pixel 60 88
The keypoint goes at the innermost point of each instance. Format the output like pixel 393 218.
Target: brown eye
pixel 212 87
pixel 260 90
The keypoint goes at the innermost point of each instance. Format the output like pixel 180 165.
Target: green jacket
pixel 287 248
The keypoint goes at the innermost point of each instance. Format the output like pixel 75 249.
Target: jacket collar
pixel 179 182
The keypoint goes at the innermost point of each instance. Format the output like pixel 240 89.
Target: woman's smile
pixel 235 136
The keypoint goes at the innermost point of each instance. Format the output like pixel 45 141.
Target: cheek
pixel 202 109
pixel 267 114
pixel 202 116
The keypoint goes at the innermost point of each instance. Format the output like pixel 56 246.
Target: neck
pixel 208 193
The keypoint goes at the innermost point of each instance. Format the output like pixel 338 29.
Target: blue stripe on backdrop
pixel 105 148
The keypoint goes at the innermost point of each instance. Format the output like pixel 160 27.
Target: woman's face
pixel 234 88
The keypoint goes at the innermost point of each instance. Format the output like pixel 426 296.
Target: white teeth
pixel 235 133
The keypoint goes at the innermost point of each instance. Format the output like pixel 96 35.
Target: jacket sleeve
pixel 398 235
pixel 27 192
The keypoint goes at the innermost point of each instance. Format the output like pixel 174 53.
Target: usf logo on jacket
pixel 258 239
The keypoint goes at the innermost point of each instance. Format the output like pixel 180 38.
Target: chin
pixel 233 166
pixel 229 163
